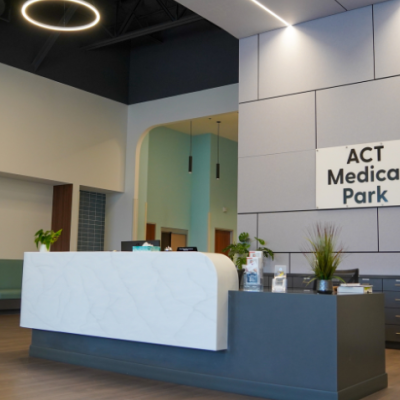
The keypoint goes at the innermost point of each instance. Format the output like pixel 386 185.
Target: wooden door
pixel 177 240
pixel 151 232
pixel 165 240
pixel 61 216
pixel 222 240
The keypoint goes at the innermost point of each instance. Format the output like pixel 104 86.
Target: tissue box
pixel 146 248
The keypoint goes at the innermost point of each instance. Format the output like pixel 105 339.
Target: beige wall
pixel 53 131
pixel 25 207
pixel 58 133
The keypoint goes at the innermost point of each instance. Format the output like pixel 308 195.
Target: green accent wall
pixel 143 183
pixel 169 183
pixel 200 199
pixel 223 192
pixel 179 200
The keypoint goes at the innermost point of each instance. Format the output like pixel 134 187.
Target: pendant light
pixel 95 15
pixel 218 166
pixel 190 153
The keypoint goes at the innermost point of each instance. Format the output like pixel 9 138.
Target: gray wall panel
pixel 367 263
pixel 389 229
pixel 277 125
pixel 287 232
pixel 277 182
pixel 367 112
pixel 327 52
pixel 247 223
pixel 248 69
pixel 299 265
pixel 279 259
pixel 387 33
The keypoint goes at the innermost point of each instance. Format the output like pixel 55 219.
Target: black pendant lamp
pixel 190 152
pixel 218 166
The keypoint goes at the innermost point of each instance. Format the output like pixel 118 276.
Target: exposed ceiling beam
pixel 128 20
pixel 144 32
pixel 41 55
pixel 165 8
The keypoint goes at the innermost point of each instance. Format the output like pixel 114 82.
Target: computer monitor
pixel 186 249
pixel 348 275
pixel 127 246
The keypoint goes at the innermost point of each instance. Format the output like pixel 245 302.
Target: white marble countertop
pixel 168 298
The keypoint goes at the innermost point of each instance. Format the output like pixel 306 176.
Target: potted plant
pixel 46 239
pixel 324 255
pixel 238 252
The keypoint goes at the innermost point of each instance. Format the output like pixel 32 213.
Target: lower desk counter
pixel 280 346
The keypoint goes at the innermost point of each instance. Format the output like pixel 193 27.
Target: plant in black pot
pixel 324 255
pixel 238 252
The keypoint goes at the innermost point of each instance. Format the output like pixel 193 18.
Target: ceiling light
pixel 190 153
pixel 96 15
pixel 271 12
pixel 218 165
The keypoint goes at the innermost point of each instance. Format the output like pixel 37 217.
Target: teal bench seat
pixel 10 284
pixel 10 294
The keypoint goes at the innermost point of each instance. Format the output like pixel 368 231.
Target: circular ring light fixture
pixel 96 15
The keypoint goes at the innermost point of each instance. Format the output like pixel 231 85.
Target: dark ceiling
pixel 142 49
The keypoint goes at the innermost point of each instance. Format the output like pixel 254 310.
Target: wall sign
pixel 364 175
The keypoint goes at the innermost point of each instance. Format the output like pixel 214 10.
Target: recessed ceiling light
pixel 96 19
pixel 271 12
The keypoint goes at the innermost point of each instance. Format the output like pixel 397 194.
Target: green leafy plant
pixel 47 238
pixel 239 251
pixel 323 254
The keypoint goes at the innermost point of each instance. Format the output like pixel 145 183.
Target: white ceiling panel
pixel 297 11
pixel 243 18
pixel 352 4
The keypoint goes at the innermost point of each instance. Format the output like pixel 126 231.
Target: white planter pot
pixel 43 248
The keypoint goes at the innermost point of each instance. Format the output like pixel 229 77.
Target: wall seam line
pixel 373 41
pixel 341 5
pixel 316 122
pixel 276 154
pixel 258 67
pixel 311 209
pixel 322 89
pixel 377 223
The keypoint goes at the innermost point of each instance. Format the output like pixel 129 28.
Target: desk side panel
pixel 361 339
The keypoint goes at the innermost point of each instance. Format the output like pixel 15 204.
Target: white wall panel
pixel 277 125
pixel 367 112
pixel 247 223
pixel 288 232
pixel 367 263
pixel 248 69
pixel 277 182
pixel 387 42
pixel 389 229
pixel 323 53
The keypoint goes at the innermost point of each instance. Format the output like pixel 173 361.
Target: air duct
pixel 2 7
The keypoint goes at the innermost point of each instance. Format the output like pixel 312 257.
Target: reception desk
pixel 175 299
pixel 280 346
